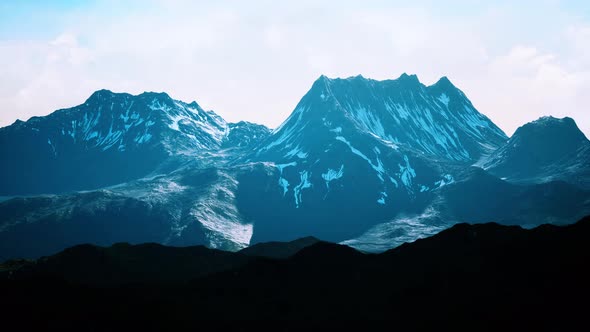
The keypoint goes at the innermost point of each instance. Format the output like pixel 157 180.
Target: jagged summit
pixel 373 163
pixel 410 78
pixel 101 92
pixel 376 145
pixel 443 83
pixel 358 77
pixel 404 77
pixel 160 98
pixel 105 94
pixel 110 138
pixel 100 95
pixel 195 105
pixel 154 94
pixel 244 133
pixel 437 120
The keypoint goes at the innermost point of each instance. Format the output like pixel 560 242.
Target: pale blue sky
pixel 254 60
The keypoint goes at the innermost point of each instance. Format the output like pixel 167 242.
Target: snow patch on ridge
pixel 169 187
pixel 377 167
pixel 304 184
pixel 52 147
pixel 367 119
pixel 216 211
pixel 331 175
pixel 402 229
pixel 407 173
pixel 296 152
pixel 446 179
pixel 444 99
pixel 283 183
pixel 381 199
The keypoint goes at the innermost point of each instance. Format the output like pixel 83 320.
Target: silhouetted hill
pixel 277 249
pixel 482 277
pixel 123 263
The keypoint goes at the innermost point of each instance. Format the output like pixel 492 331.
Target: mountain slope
pixel 191 206
pixel 544 150
pixel 437 120
pixel 477 197
pixel 356 152
pixel 244 134
pixel 112 138
pixel 407 138
pixel 372 164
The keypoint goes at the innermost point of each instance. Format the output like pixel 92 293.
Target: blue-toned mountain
pixel 356 152
pixel 547 149
pixel 112 138
pixel 369 163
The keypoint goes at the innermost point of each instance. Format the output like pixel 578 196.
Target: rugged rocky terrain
pixel 371 164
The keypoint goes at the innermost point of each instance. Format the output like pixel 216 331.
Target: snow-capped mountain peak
pixel 436 120
pixel 444 82
pixel 376 161
pixel 130 134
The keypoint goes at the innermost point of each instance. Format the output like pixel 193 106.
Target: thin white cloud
pixel 526 83
pixel 255 60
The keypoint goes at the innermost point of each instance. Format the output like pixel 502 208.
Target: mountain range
pixel 371 164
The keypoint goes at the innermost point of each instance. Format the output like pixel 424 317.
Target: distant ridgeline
pixel 371 164
pixel 486 275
